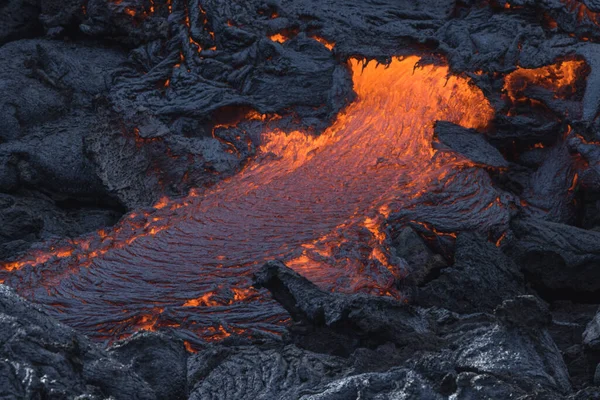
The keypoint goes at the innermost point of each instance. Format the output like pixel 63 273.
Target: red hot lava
pixel 316 202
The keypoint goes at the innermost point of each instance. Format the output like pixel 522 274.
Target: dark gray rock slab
pixel 480 278
pixel 557 257
pixel 469 143
pixel 591 335
pixel 42 358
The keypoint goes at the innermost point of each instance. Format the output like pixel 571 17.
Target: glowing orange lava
pixel 583 12
pixel 317 202
pixel 560 78
pixel 330 45
pixel 279 38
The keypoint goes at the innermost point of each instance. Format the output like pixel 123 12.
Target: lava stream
pixel 316 202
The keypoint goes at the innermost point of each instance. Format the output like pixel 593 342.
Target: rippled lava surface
pixel 318 203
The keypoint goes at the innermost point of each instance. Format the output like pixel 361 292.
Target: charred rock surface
pixel 470 144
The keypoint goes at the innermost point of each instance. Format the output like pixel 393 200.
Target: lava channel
pixel 316 202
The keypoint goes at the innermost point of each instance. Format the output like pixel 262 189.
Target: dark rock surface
pixel 42 358
pixel 480 278
pixel 513 346
pixel 158 359
pixel 122 103
pixel 470 144
pixel 591 335
pixel 560 259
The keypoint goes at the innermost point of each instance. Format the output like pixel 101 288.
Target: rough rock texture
pixel 591 335
pixel 42 358
pixel 559 258
pixel 123 102
pixel 158 359
pixel 514 345
pixel 470 144
pixel 480 278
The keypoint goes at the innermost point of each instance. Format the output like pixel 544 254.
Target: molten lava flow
pixel 279 38
pixel 560 78
pixel 317 202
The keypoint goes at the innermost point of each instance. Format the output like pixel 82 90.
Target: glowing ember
pixel 560 78
pixel 316 202
pixel 279 38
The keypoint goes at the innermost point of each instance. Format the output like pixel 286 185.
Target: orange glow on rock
pixel 324 42
pixel 560 78
pixel 582 11
pixel 279 38
pixel 316 202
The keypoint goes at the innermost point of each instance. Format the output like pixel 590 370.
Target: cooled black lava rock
pixel 512 349
pixel 591 336
pixel 42 358
pixel 561 260
pixel 480 278
pixel 160 360
pixel 470 144
pixel 45 359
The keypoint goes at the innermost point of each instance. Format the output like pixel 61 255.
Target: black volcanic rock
pixel 550 194
pixel 512 349
pixel 560 260
pixel 423 263
pixel 338 323
pixel 470 144
pixel 480 278
pixel 252 372
pixel 41 358
pixel 160 360
pixel 18 19
pixel 591 335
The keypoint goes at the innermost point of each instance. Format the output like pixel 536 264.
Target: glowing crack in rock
pixel 316 202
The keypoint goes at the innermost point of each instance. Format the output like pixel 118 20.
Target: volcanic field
pixel 299 199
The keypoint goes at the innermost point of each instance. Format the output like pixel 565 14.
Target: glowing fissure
pixel 315 201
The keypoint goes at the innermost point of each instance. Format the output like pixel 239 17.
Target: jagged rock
pixel 42 358
pixel 470 144
pixel 480 279
pixel 591 336
pixel 423 262
pixel 255 373
pixel 549 192
pixel 514 347
pixel 525 311
pixel 590 393
pixel 471 385
pixel 337 323
pixel 160 360
pixel 397 383
pixel 561 260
